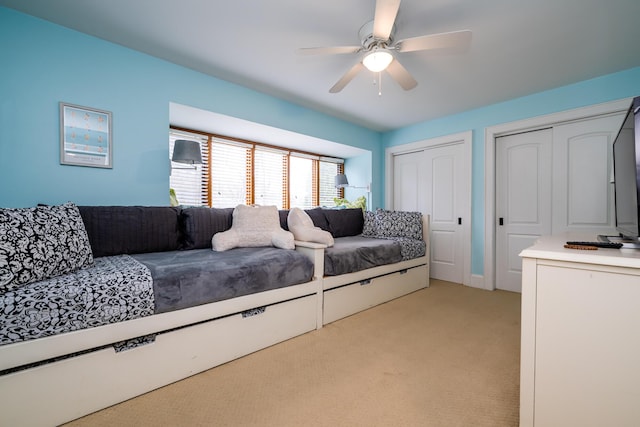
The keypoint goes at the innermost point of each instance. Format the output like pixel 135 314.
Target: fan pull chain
pixel 379 83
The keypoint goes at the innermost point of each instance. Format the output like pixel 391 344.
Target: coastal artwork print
pixel 85 136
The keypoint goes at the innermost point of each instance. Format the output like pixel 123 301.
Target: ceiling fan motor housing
pixel 369 41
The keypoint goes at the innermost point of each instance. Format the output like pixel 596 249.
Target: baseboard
pixel 477 281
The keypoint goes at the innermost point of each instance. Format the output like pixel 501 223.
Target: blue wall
pixel 44 64
pixel 602 89
pixel 358 172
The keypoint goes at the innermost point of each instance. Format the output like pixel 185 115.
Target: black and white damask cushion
pixel 370 224
pixel 113 289
pixel 410 248
pixel 387 224
pixel 41 242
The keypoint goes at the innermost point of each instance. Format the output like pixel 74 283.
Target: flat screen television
pixel 626 173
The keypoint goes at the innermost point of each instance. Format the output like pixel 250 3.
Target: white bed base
pixel 206 336
pixel 351 293
pixel 361 293
pixel 198 338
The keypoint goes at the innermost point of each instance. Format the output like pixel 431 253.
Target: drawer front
pixel 350 299
pixel 102 378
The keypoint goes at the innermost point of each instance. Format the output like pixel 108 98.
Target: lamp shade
pixel 341 180
pixel 185 151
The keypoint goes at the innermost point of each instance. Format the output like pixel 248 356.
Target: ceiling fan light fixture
pixel 377 60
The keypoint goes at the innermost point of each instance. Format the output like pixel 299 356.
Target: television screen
pixel 626 173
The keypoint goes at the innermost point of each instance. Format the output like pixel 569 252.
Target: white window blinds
pixel 301 182
pixel 229 164
pixel 269 168
pixel 243 172
pixel 327 182
pixel 189 183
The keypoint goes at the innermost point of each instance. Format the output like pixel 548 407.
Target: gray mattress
pixel 125 287
pixel 356 253
pixel 184 279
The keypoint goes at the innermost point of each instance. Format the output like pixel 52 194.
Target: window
pixel 269 166
pixel 301 182
pixel 228 174
pixel 190 183
pixel 329 168
pixel 243 172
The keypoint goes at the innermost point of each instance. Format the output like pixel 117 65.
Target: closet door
pixel 523 200
pixel 408 182
pixel 582 171
pixel 433 181
pixel 552 181
pixel 445 201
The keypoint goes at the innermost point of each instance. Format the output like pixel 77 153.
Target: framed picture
pixel 85 136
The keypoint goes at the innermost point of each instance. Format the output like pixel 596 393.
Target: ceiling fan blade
pixel 344 80
pixel 455 39
pixel 384 18
pixel 401 75
pixel 328 50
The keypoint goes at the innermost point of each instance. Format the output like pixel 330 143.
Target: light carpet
pixel 447 355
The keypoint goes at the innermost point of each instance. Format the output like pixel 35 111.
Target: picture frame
pixel 85 136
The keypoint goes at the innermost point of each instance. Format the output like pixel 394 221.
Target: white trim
pixel 331 159
pixel 216 140
pixel 466 138
pixel 534 123
pixel 304 155
pixel 477 281
pixel 271 150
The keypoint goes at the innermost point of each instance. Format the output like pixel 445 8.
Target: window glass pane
pixel 186 181
pixel 300 183
pixel 268 177
pixel 328 191
pixel 228 175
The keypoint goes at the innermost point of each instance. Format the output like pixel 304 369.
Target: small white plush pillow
pixel 253 226
pixel 301 225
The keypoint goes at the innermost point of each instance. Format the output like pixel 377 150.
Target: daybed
pixel 97 357
pixel 374 259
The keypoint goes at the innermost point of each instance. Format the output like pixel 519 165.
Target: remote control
pixel 608 245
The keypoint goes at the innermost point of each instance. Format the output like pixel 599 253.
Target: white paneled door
pixel 552 181
pixel 582 171
pixel 523 200
pixel 445 199
pixel 408 180
pixel 433 181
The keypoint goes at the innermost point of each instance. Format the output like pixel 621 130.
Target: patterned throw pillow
pixel 370 224
pixel 41 242
pixel 385 224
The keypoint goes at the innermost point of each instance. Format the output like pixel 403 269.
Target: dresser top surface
pixel 552 248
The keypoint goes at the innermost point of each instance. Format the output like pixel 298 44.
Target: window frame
pixel 210 139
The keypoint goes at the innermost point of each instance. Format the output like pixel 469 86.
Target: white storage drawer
pixel 77 386
pixel 353 298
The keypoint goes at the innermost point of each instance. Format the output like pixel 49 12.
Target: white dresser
pixel 580 343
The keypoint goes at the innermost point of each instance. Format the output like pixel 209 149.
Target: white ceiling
pixel 519 47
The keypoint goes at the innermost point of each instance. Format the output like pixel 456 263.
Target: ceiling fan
pixel 377 41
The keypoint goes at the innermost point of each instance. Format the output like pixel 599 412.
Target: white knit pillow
pixel 301 225
pixel 253 226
